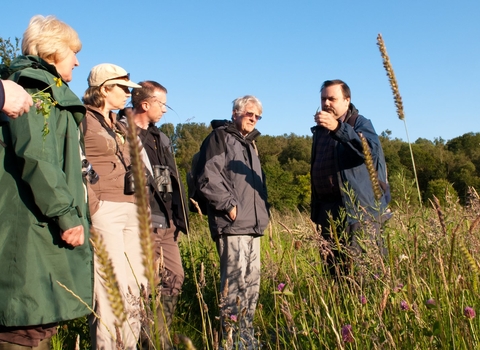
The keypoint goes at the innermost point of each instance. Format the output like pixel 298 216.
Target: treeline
pixel 440 165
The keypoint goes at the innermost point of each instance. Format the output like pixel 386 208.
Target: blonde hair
pixel 50 39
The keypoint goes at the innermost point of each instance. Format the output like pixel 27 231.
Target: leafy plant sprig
pixel 43 104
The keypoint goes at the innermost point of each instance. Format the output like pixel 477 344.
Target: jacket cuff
pixel 338 126
pixel 70 220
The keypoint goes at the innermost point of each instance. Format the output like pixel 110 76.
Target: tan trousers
pixel 43 345
pixel 240 265
pixel 118 226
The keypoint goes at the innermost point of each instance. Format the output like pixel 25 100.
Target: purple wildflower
pixel 398 288
pixel 404 305
pixel 469 312
pixel 38 104
pixel 347 334
pixel 362 299
pixel 233 318
pixel 280 287
pixel 430 303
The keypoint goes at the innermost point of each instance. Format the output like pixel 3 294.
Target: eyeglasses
pixel 251 115
pixel 161 103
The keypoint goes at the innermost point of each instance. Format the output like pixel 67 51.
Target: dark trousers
pixel 166 239
pixel 340 261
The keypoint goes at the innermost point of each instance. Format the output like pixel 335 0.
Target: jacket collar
pixel 231 128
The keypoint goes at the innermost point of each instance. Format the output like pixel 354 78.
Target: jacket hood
pixel 24 68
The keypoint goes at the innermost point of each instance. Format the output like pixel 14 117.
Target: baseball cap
pixel 110 74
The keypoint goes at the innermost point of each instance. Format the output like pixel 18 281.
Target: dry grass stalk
pixel 383 302
pixel 391 77
pixel 398 101
pixel 86 305
pixel 195 203
pixel 441 216
pixel 107 273
pixel 332 322
pixel 143 215
pixel 372 173
pixel 471 262
pixel 474 225
pixel 141 197
pixel 187 343
pixel 118 342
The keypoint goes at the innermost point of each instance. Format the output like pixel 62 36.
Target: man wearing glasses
pixel 167 196
pixel 231 179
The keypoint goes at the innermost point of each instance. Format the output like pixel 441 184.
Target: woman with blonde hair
pixel 45 253
pixel 112 207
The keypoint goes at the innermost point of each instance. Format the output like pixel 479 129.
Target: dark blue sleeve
pixel 2 95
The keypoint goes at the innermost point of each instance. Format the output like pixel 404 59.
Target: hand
pixel 326 119
pixel 233 213
pixel 17 100
pixel 74 236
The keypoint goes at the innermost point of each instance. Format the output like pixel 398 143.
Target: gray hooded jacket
pixel 229 175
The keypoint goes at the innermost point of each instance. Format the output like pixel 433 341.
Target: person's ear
pixel 103 91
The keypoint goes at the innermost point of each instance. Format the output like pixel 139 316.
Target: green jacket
pixel 42 193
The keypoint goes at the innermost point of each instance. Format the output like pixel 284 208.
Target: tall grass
pixel 419 304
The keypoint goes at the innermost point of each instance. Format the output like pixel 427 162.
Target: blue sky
pixel 207 53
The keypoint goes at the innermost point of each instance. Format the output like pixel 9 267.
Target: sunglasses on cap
pixel 123 77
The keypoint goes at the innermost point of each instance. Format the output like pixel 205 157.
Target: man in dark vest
pixel 342 188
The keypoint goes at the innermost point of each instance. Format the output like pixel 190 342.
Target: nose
pixel 77 63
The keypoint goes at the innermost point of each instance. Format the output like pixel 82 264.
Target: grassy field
pixel 423 296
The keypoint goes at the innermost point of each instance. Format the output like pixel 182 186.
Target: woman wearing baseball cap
pixel 111 202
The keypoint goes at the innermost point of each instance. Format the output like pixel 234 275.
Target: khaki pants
pixel 240 265
pixel 118 226
pixel 43 345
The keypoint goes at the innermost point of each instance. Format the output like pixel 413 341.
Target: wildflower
pixel 58 81
pixel 430 303
pixel 404 305
pixel 280 287
pixel 44 103
pixel 347 334
pixel 398 288
pixel 233 318
pixel 362 299
pixel 469 312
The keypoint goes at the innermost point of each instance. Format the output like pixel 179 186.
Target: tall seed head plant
pixel 108 274
pixel 398 101
pixel 144 221
pixel 372 173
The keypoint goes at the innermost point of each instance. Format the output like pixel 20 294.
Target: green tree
pixel 441 189
pixel 8 50
pixel 186 141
